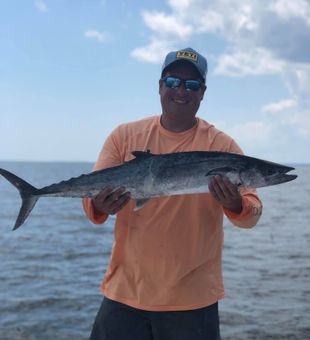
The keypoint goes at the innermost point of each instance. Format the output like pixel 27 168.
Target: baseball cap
pixel 189 55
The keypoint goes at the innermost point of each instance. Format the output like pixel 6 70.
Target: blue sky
pixel 72 70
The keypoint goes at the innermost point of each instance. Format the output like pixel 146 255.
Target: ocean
pixel 51 268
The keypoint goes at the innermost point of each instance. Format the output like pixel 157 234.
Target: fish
pixel 149 175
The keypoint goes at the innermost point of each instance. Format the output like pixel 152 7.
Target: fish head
pixel 266 173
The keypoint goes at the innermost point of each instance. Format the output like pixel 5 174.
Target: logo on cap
pixel 187 55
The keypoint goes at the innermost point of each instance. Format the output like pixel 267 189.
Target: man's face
pixel 180 101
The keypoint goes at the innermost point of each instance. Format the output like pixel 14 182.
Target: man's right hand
pixel 110 201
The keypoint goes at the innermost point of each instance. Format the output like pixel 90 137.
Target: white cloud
pixel 302 123
pixel 280 106
pixel 41 6
pixel 213 24
pixel 180 5
pixel 257 61
pixel 298 77
pixel 288 9
pixel 166 25
pixel 100 37
pixel 226 18
pixel 167 32
pixel 154 52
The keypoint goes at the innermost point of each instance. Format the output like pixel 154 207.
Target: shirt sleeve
pixel 91 212
pixel 251 204
pixel 109 156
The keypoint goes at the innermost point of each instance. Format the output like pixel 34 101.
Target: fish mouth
pixel 281 175
pixel 281 178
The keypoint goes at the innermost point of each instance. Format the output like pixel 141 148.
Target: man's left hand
pixel 226 193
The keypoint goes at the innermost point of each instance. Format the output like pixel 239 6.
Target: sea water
pixel 51 268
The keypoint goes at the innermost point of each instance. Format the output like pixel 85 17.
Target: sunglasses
pixel 175 83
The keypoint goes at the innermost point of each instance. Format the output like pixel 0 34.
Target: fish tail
pixel 28 193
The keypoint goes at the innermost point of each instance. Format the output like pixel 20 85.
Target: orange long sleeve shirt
pixel 168 255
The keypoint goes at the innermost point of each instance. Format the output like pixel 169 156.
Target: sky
pixel 72 70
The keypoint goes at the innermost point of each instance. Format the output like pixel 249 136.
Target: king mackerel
pixel 148 176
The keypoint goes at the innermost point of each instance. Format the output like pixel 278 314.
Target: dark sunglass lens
pixel 172 82
pixel 193 85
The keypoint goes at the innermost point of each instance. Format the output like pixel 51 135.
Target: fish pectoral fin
pixel 220 171
pixel 142 154
pixel 140 203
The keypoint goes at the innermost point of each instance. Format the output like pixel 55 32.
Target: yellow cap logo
pixel 187 55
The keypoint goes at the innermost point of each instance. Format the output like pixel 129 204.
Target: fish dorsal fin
pixel 140 203
pixel 142 154
pixel 220 171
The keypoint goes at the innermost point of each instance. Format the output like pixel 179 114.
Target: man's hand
pixel 226 193
pixel 110 201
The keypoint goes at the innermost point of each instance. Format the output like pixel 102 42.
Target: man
pixel 164 279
